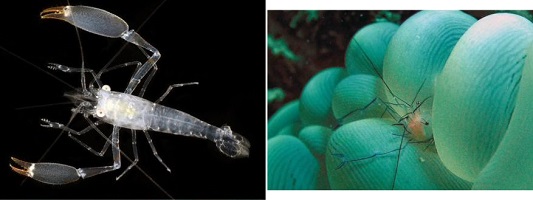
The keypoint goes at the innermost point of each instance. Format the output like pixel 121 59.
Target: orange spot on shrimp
pixel 416 126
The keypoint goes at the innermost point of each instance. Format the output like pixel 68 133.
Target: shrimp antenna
pixel 417 92
pixel 37 67
pixel 419 104
pixel 341 120
pixel 82 72
pixel 374 68
pixel 422 102
pixel 398 160
pixel 43 105
pixel 83 86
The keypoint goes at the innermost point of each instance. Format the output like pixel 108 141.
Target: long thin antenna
pixel 37 67
pixel 417 92
pixel 82 72
pixel 43 105
pixel 398 161
pixel 374 68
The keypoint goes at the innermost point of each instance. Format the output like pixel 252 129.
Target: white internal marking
pixel 30 170
pixel 66 11
pixel 106 88
pixel 100 113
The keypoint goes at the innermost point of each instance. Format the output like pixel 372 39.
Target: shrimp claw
pixel 90 19
pixel 104 23
pixel 50 173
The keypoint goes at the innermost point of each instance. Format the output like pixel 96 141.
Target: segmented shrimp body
pixel 133 112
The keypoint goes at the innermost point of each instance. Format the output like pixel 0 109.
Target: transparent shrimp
pixel 120 109
pixel 412 122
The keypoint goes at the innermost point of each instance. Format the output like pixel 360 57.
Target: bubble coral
pixel 475 94
pixel 291 166
pixel 462 76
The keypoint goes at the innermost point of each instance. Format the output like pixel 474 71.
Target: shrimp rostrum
pixel 120 109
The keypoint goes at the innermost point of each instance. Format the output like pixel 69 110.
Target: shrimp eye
pixel 106 88
pixel 100 113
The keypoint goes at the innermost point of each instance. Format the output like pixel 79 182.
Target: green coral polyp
pixel 291 165
pixel 315 102
pixel 316 138
pixel 476 92
pixel 288 115
pixel 510 167
pixel 358 97
pixel 351 166
pixel 371 41
pixel 418 52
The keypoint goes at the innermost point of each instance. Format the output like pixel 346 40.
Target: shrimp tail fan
pixel 232 144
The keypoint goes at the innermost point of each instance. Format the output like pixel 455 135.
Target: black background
pixel 216 45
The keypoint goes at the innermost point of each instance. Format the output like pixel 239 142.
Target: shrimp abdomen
pixel 169 120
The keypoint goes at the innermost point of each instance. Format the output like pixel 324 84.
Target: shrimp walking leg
pixel 133 37
pixel 132 63
pixel 56 125
pixel 135 154
pixel 172 87
pixel 154 151
pixel 147 81
pixel 63 68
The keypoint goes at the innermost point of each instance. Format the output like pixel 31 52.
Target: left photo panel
pixel 132 100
